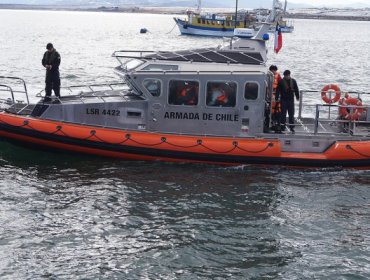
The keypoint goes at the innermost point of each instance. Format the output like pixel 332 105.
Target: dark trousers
pixel 52 82
pixel 287 106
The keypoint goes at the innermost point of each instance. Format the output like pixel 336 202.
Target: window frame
pixel 184 80
pixel 258 92
pixel 161 89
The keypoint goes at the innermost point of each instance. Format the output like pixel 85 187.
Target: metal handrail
pixel 195 71
pixel 352 123
pixel 333 116
pixel 9 89
pixel 89 87
pixel 23 83
pixel 302 93
pixel 135 54
pixel 12 102
pixel 90 91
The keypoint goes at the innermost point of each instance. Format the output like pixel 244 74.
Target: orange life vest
pixel 223 98
pixel 276 107
pixel 187 95
pixel 277 79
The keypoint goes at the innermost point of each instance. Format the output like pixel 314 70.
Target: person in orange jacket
pixel 275 105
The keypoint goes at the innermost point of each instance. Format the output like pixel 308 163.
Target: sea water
pixel 65 216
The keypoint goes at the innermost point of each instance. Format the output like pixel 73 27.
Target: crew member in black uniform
pixel 51 62
pixel 285 91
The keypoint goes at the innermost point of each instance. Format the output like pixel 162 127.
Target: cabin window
pixel 153 86
pixel 183 93
pixel 221 94
pixel 203 21
pixel 251 91
pixel 161 67
pixel 198 20
pixel 133 63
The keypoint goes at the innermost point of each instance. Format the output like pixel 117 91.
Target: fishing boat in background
pixel 223 25
pixel 210 105
pixel 216 25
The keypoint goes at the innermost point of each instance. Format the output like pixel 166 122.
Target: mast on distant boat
pixel 276 13
pixel 236 12
pixel 285 6
pixel 199 7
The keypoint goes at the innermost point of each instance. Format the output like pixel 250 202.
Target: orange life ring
pixel 328 88
pixel 346 114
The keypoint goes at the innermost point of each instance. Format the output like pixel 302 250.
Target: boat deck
pixel 306 126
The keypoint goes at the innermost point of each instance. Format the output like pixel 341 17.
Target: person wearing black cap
pixel 51 62
pixel 285 92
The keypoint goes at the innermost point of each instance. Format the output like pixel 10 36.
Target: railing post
pixel 25 90
pixel 11 91
pixel 354 128
pixel 317 116
pixel 300 104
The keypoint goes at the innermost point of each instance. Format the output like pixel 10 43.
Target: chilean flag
pixel 278 39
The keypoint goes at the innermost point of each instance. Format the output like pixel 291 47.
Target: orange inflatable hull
pixel 133 145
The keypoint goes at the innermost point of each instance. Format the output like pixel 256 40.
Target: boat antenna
pixel 199 7
pixel 285 6
pixel 236 12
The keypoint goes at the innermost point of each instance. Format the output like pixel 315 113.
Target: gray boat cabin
pixel 200 92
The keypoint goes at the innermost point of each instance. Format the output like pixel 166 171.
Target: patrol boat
pixel 211 105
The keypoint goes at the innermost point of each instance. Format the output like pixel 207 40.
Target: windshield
pixel 132 64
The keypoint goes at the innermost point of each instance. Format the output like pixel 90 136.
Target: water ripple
pixel 67 216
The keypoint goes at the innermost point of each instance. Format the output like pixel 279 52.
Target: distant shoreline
pixel 167 10
pixel 326 17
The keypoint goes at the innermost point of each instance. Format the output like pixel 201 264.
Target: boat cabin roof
pixel 161 67
pixel 198 55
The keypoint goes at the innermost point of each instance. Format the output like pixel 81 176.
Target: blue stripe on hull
pixel 210 28
pixel 207 35
pixel 203 31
